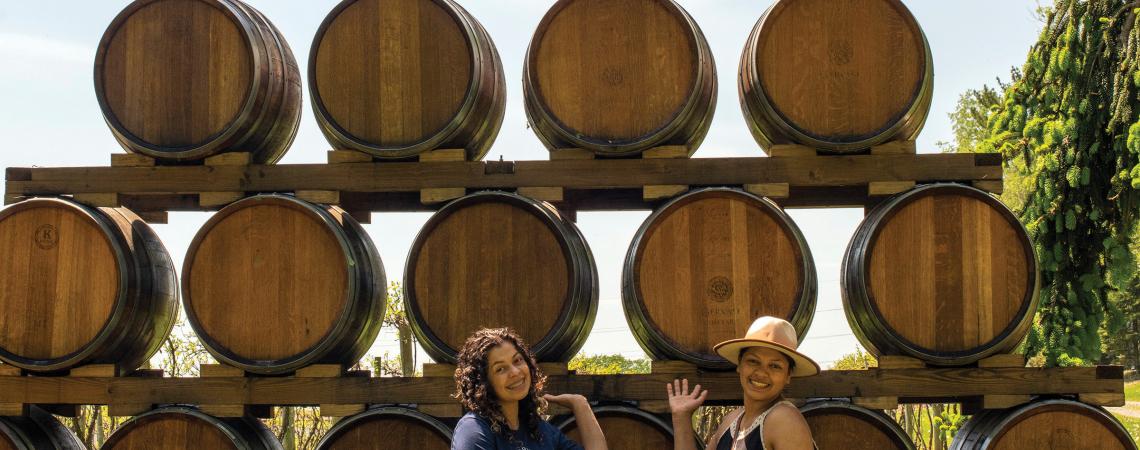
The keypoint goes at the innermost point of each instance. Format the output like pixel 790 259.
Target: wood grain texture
pixel 272 282
pixel 395 78
pixel 399 432
pixel 949 272
pixel 707 265
pixel 169 432
pixel 59 283
pixel 179 80
pixel 626 427
pixel 202 63
pixel 841 75
pixel 491 265
pixel 38 429
pixel 616 72
pixel 840 425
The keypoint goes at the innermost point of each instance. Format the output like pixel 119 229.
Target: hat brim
pixel 731 349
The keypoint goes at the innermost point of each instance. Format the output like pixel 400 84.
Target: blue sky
pixel 49 117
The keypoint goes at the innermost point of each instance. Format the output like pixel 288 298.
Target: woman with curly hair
pixel 500 384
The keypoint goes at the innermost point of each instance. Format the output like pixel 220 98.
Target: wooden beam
pixel 770 190
pixel 131 160
pixel 946 384
pixel 348 156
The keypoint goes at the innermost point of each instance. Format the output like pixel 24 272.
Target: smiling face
pixel 764 373
pixel 508 372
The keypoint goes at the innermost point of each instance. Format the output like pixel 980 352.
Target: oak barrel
pixel 395 78
pixel 186 428
pixel 625 427
pixel 837 75
pixel 388 428
pixel 272 283
pixel 1053 424
pixel 944 273
pixel 81 285
pixel 497 259
pixel 705 265
pixel 619 76
pixel 840 424
pixel 182 80
pixel 38 431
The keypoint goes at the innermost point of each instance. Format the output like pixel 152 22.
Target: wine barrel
pixel 840 76
pixel 1052 424
pixel 87 286
pixel 186 428
pixel 840 424
pixel 396 78
pixel 625 427
pixel 705 265
pixel 272 284
pixel 497 259
pixel 944 273
pixel 619 76
pixel 182 80
pixel 388 428
pixel 38 431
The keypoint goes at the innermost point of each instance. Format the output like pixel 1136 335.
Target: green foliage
pixel 1068 124
pixel 859 360
pixel 608 365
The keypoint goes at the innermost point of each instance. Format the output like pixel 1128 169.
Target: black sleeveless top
pixel 754 440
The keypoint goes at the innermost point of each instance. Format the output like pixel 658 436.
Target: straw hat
pixel 774 333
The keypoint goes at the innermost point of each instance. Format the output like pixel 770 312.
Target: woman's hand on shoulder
pixel 786 429
pixel 681 401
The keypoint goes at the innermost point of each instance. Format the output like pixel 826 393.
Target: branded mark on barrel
pixel 47 237
pixel 720 289
pixel 612 76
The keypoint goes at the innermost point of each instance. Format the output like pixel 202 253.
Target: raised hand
pixel 681 401
pixel 567 401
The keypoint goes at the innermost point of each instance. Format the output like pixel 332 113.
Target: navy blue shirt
pixel 474 432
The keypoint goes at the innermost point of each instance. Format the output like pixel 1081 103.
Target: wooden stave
pixel 576 319
pixel 688 127
pixel 877 417
pixel 246 433
pixel 563 423
pixel 657 345
pixel 269 120
pixel 980 432
pixel 359 322
pixel 863 317
pixel 346 423
pixel 474 127
pixel 38 430
pixel 769 128
pixel 145 310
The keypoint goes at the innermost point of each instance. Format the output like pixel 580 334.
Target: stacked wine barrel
pixel 273 283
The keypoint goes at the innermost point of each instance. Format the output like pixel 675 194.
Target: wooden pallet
pixel 587 184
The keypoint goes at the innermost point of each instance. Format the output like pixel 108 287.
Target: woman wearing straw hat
pixel 766 359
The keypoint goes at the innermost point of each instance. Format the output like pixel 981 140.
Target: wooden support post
pixel 325 197
pixel 1103 399
pixel 439 370
pixel 444 155
pixel 210 199
pixel 895 148
pixel 332 410
pixel 791 151
pixel 651 193
pixel 1002 361
pixel 348 157
pixel 96 371
pixel 570 154
pixel 884 188
pixel 439 195
pixel 546 194
pixel 219 371
pixel 98 200
pixel 8 370
pixel 876 402
pixel 666 152
pixel 991 186
pixel 154 216
pixel 900 362
pixel 672 367
pixel 442 410
pixel 131 160
pixel 321 371
pixel 230 159
pixel 13 409
pixel 770 190
pixel 1003 401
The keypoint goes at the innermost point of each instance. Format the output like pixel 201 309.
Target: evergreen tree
pixel 1071 119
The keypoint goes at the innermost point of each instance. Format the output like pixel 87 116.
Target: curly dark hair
pixel 473 386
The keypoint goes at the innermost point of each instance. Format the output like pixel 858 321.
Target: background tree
pixel 1070 119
